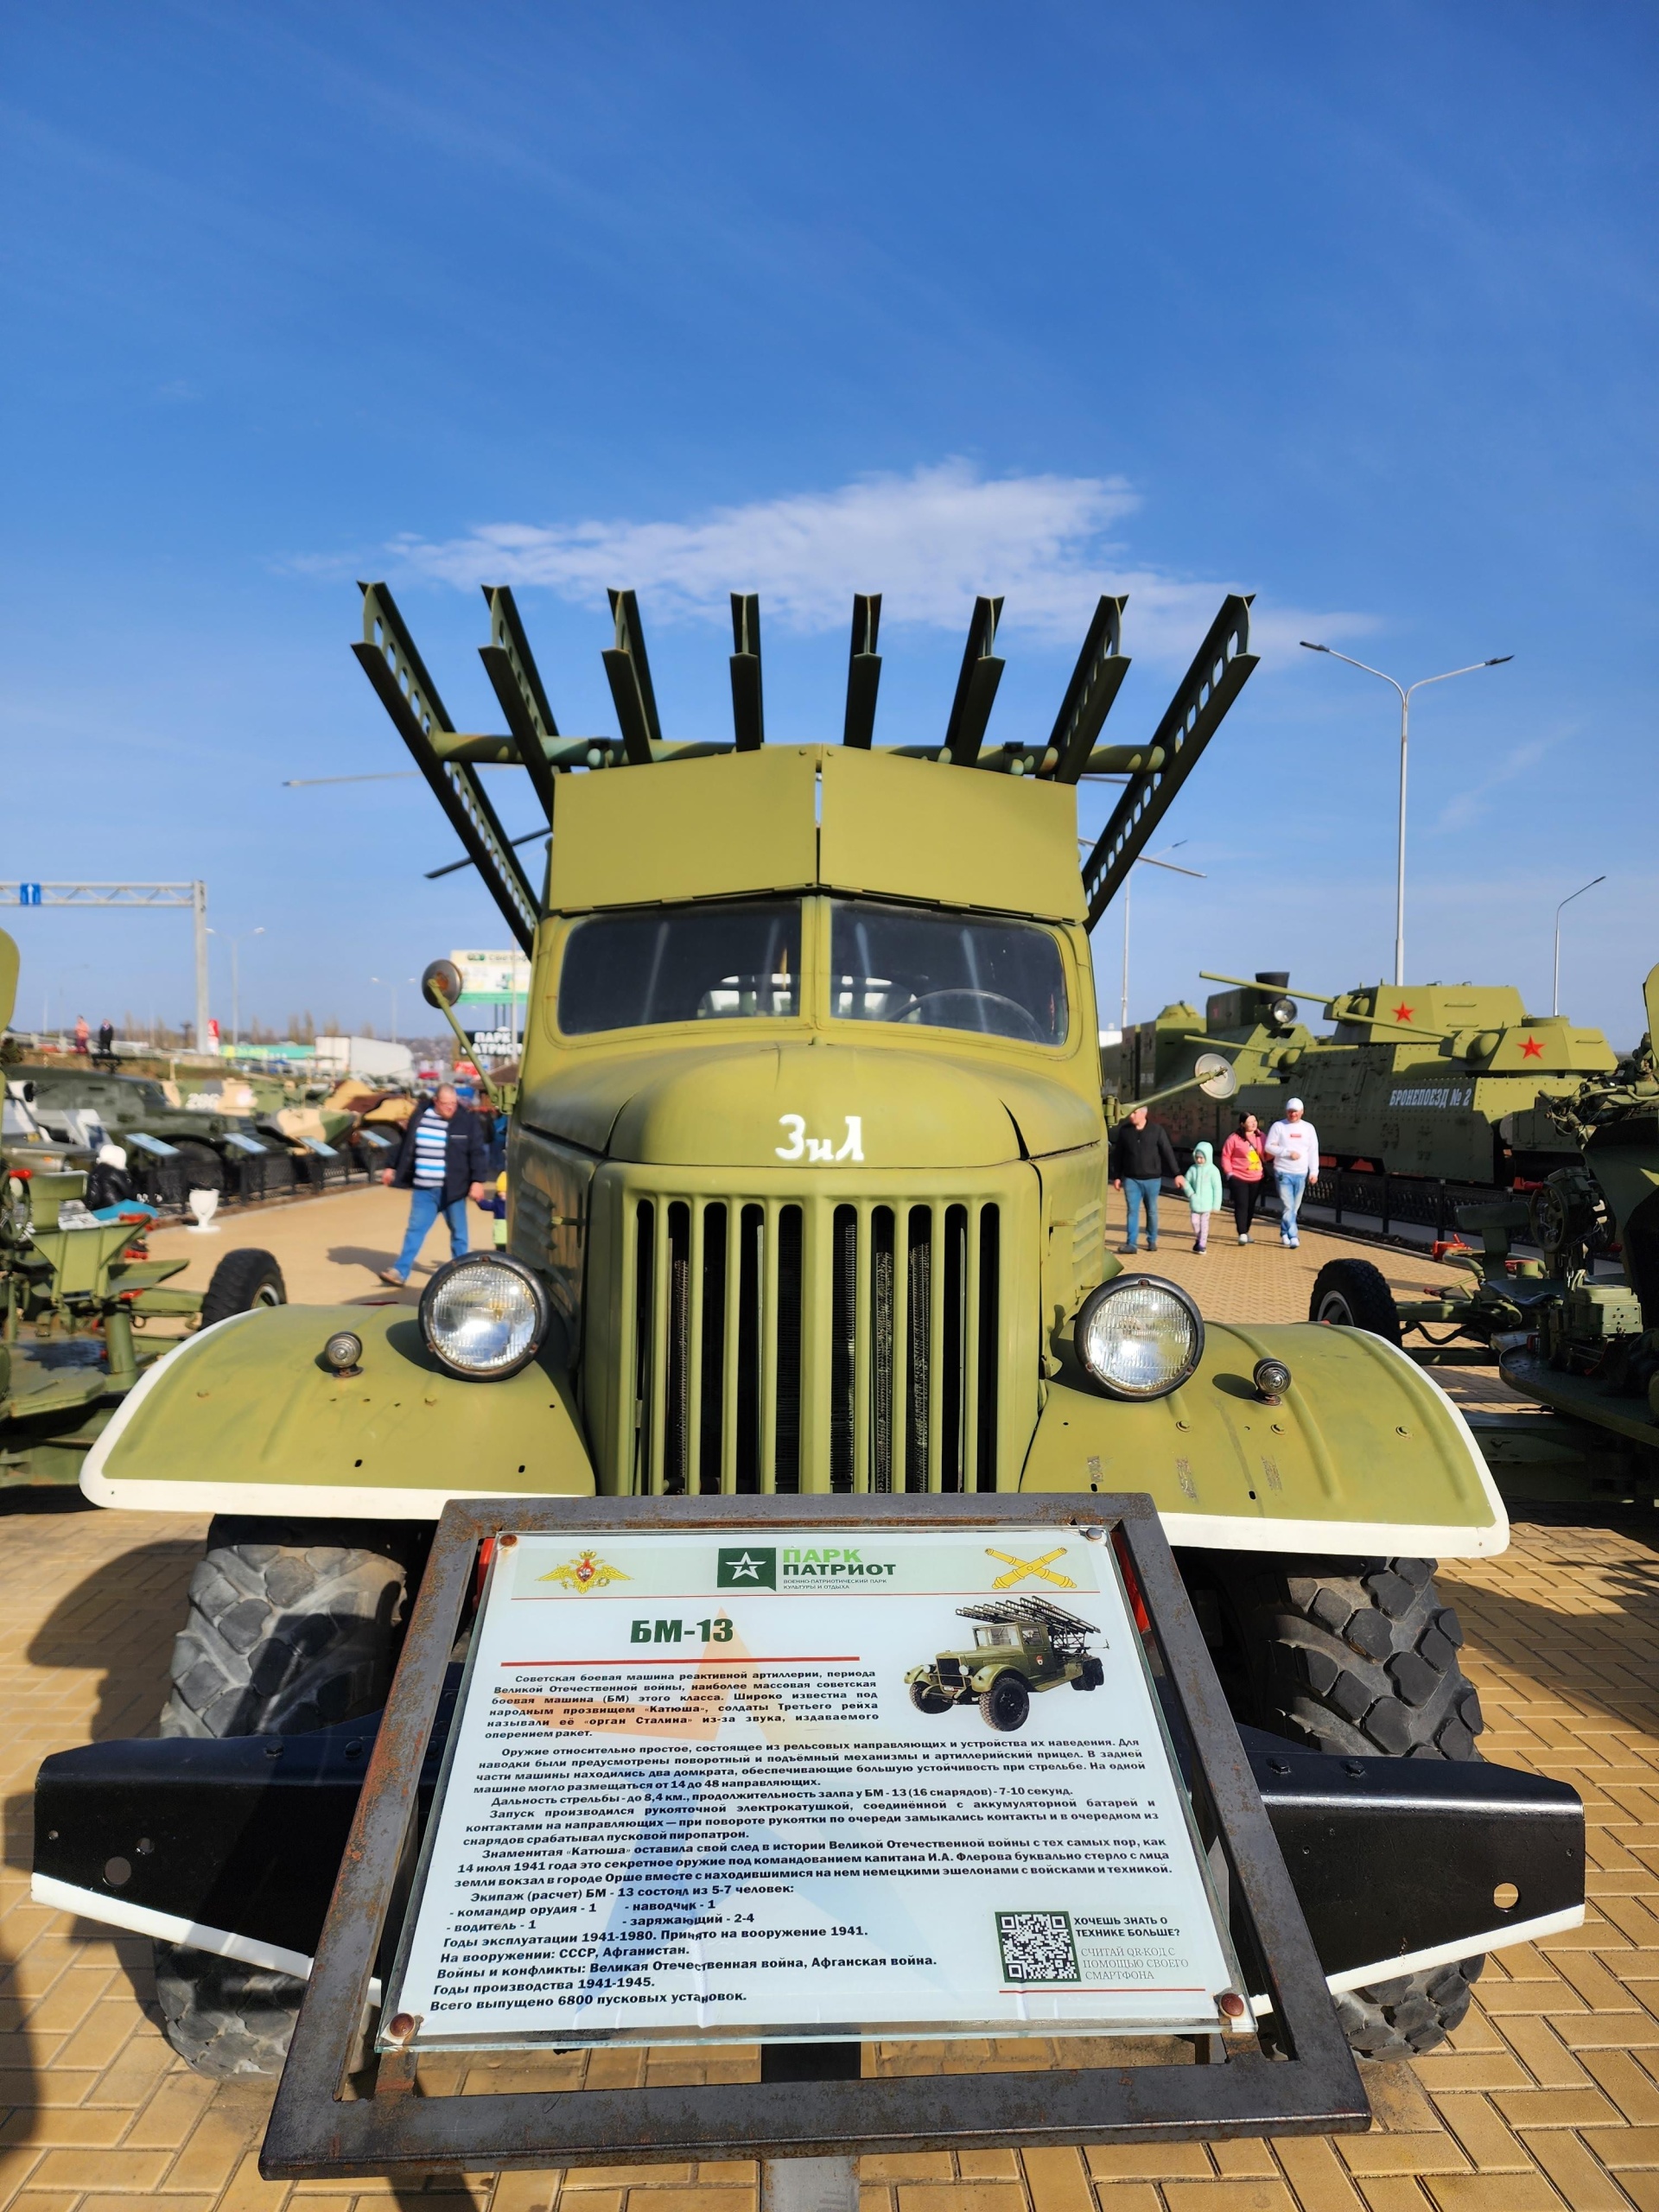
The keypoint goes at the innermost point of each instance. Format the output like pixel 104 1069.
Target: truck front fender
pixel 245 1418
pixel 1363 1454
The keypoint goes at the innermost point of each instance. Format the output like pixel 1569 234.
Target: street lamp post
pixel 1405 691
pixel 392 987
pixel 1555 973
pixel 236 979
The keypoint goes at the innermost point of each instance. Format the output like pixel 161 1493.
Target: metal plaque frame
pixel 338 2114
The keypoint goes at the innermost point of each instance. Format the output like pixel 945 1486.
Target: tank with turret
pixel 1452 1080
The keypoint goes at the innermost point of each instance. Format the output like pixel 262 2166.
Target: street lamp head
pixel 1308 647
pixel 1499 662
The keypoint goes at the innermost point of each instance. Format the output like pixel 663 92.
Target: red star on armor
pixel 1402 1012
pixel 1532 1049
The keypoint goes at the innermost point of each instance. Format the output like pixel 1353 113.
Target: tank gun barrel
pixel 1334 1003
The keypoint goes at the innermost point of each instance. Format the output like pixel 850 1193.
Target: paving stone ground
pixel 1548 2096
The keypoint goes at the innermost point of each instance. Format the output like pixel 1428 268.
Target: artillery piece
pixel 79 1293
pixel 1577 1337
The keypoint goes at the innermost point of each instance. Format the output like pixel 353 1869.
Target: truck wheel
pixel 1353 1294
pixel 1006 1704
pixel 289 1629
pixel 228 2020
pixel 1352 1655
pixel 928 1701
pixel 241 1282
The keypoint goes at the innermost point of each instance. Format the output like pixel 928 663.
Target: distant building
pixel 371 1058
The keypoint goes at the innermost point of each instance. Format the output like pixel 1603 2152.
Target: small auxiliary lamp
pixel 342 1354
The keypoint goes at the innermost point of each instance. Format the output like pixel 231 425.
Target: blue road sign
pixel 28 894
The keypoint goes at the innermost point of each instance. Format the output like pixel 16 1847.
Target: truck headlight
pixel 1139 1336
pixel 483 1316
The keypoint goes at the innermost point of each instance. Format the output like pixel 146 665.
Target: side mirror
pixel 441 984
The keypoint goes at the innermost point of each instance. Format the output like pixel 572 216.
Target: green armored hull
pixel 1432 1079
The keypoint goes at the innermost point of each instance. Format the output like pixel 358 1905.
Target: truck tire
pixel 931 1702
pixel 1006 1704
pixel 1357 1656
pixel 227 2020
pixel 287 1629
pixel 242 1281
pixel 1353 1294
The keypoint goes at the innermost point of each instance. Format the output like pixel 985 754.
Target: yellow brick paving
pixel 1548 2096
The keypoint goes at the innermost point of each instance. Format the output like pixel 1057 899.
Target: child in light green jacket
pixel 1202 1193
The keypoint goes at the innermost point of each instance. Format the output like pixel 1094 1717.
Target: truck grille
pixel 818 1343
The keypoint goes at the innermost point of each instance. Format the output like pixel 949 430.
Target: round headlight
pixel 1139 1336
pixel 483 1316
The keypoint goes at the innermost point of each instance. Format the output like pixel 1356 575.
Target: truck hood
pixel 764 1105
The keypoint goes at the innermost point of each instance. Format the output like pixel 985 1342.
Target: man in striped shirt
pixel 442 1164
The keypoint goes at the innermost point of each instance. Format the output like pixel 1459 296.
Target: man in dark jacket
pixel 443 1162
pixel 1141 1156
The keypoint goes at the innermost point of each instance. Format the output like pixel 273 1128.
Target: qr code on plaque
pixel 1037 1947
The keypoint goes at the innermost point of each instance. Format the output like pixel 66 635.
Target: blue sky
pixel 1352 309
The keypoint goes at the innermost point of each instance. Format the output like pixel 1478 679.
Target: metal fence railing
pixel 1431 1202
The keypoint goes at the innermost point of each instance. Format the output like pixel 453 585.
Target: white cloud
pixel 928 542
pixel 1471 804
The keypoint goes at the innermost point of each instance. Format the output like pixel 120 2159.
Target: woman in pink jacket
pixel 1243 1158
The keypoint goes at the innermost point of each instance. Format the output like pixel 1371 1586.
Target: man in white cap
pixel 1294 1149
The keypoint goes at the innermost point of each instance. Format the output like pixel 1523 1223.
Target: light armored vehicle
pixel 1429 1079
pixel 1021 1645
pixel 807 1181
pixel 1575 1330
pixel 84 1310
pixel 171 1149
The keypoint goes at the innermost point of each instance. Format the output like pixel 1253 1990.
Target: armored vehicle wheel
pixel 289 1629
pixel 1353 1294
pixel 1352 1656
pixel 927 1701
pixel 203 1168
pixel 1006 1704
pixel 241 1282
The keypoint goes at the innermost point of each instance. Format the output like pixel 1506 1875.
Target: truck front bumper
pixel 233 1847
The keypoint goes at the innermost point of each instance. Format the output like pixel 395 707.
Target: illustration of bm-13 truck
pixel 1023 1644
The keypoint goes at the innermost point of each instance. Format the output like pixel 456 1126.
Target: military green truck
pixel 1428 1080
pixel 807 1189
pixel 1020 1646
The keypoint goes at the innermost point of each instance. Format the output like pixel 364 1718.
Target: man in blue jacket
pixel 442 1164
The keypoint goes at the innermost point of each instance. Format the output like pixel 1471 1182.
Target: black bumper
pixel 1389 1857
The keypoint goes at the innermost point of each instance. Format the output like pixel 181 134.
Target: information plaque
pixel 709 1784
pixel 640 1828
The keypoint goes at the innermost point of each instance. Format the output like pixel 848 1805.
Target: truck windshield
pixel 947 971
pixel 695 963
